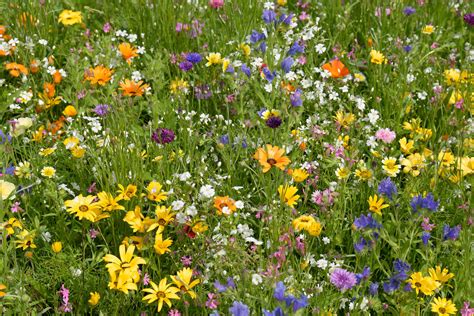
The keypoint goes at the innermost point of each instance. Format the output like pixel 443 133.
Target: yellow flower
pixel 46 151
pixel 57 246
pixel 137 221
pixel 68 17
pixel 424 284
pixel 308 223
pixel 11 225
pixel 359 77
pixel 183 281
pixel 344 119
pixel 377 57
pixel 163 293
pixel 390 166
pixel 443 307
pixel 281 2
pixel 343 173
pixel 108 203
pixel 6 188
pixel 452 76
pixel 245 48
pixel 406 146
pixel 70 111
pixel 466 164
pixel 439 275
pixel 225 64
pixel 164 216
pixel 78 152
pixel 446 158
pixel 25 240
pixel 155 193
pixel 213 59
pixel 299 175
pixel 48 172
pixel 288 194
pixel 127 193
pixel 376 205
pixel 94 298
pixel 162 246
pixel 428 29
pixel 83 207
pixel 413 164
pixel 3 287
pixel 363 173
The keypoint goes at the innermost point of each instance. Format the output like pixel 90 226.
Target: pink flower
pixel 16 207
pixel 216 4
pixel 107 27
pixel 211 302
pixel 385 135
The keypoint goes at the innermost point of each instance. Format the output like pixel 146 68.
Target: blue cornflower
pixel 194 58
pixel 268 74
pixel 366 221
pixel 263 47
pixel 359 246
pixel 276 312
pixel 409 11
pixel 451 233
pixel 279 293
pixel 425 237
pixel 374 288
pixel 245 69
pixel 364 275
pixel 296 48
pixel 407 48
pixel 295 98
pixel 268 16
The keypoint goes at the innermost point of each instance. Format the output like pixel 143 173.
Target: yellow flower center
pixel 83 208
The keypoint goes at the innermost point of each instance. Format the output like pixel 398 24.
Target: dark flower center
pixel 83 208
pixel 271 161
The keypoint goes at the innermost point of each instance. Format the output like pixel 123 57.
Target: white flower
pixel 326 240
pixel 184 176
pixel 207 191
pixel 239 204
pixel 191 210
pixel 177 205
pixel 46 236
pixel 256 279
pixel 322 264
pixel 136 76
pixel 43 42
pixel 373 116
pixel 181 218
pixel 410 78
pixel 320 48
pixel 76 272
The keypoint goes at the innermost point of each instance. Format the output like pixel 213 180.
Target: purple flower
pixel 239 309
pixel 186 66
pixel 101 109
pixel 263 47
pixel 107 27
pixel 295 98
pixel 359 246
pixel 268 74
pixel 427 202
pixel 451 233
pixel 466 310
pixel 387 187
pixel 224 139
pixel 392 285
pixel 186 260
pixel 469 18
pixel 220 287
pixel 286 19
pixel 273 121
pixel 286 64
pixel 407 48
pixel 194 58
pixel 163 136
pixel 426 224
pixel 409 11
pixel 4 138
pixel 268 16
pixel 65 307
pixel 245 69
pixel 300 303
pixel 366 221
pixel 401 266
pixel 279 293
pixel 276 312
pixel 174 312
pixel 296 48
pixel 373 288
pixel 425 237
pixel 256 37
pixel 202 92
pixel 343 279
pixel 364 275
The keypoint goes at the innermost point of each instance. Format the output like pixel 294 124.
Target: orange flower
pixel 99 75
pixel 49 89
pixel 16 69
pixel 34 66
pixel 224 204
pixel 288 87
pixel 132 88
pixel 272 156
pixel 57 78
pixel 128 52
pixel 336 68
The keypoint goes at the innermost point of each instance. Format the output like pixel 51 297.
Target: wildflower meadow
pixel 236 157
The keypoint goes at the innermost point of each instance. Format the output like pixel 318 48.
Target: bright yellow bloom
pixel 376 205
pixel 155 193
pixel 428 29
pixel 225 64
pixel 413 164
pixel 213 59
pixel 183 281
pixel 446 158
pixel 344 119
pixel 78 152
pixel 426 285
pixel 70 111
pixel 163 292
pixel 466 165
pixel 57 246
pixel 271 156
pixel 299 175
pixel 11 225
pixel 308 223
pixel 363 173
pixel 25 240
pixel 439 275
pixel 245 48
pixel 127 193
pixel 68 17
pixel 390 166
pixel 164 216
pixel 83 207
pixel 137 221
pixel 443 307
pixel 48 172
pixel 377 57
pixel 47 151
pixel 162 246
pixel 406 146
pixel 108 203
pixel 6 188
pixel 94 298
pixel 288 194
pixel 3 287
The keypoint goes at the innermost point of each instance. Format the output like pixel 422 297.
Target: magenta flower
pixel 343 279
pixel 385 135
